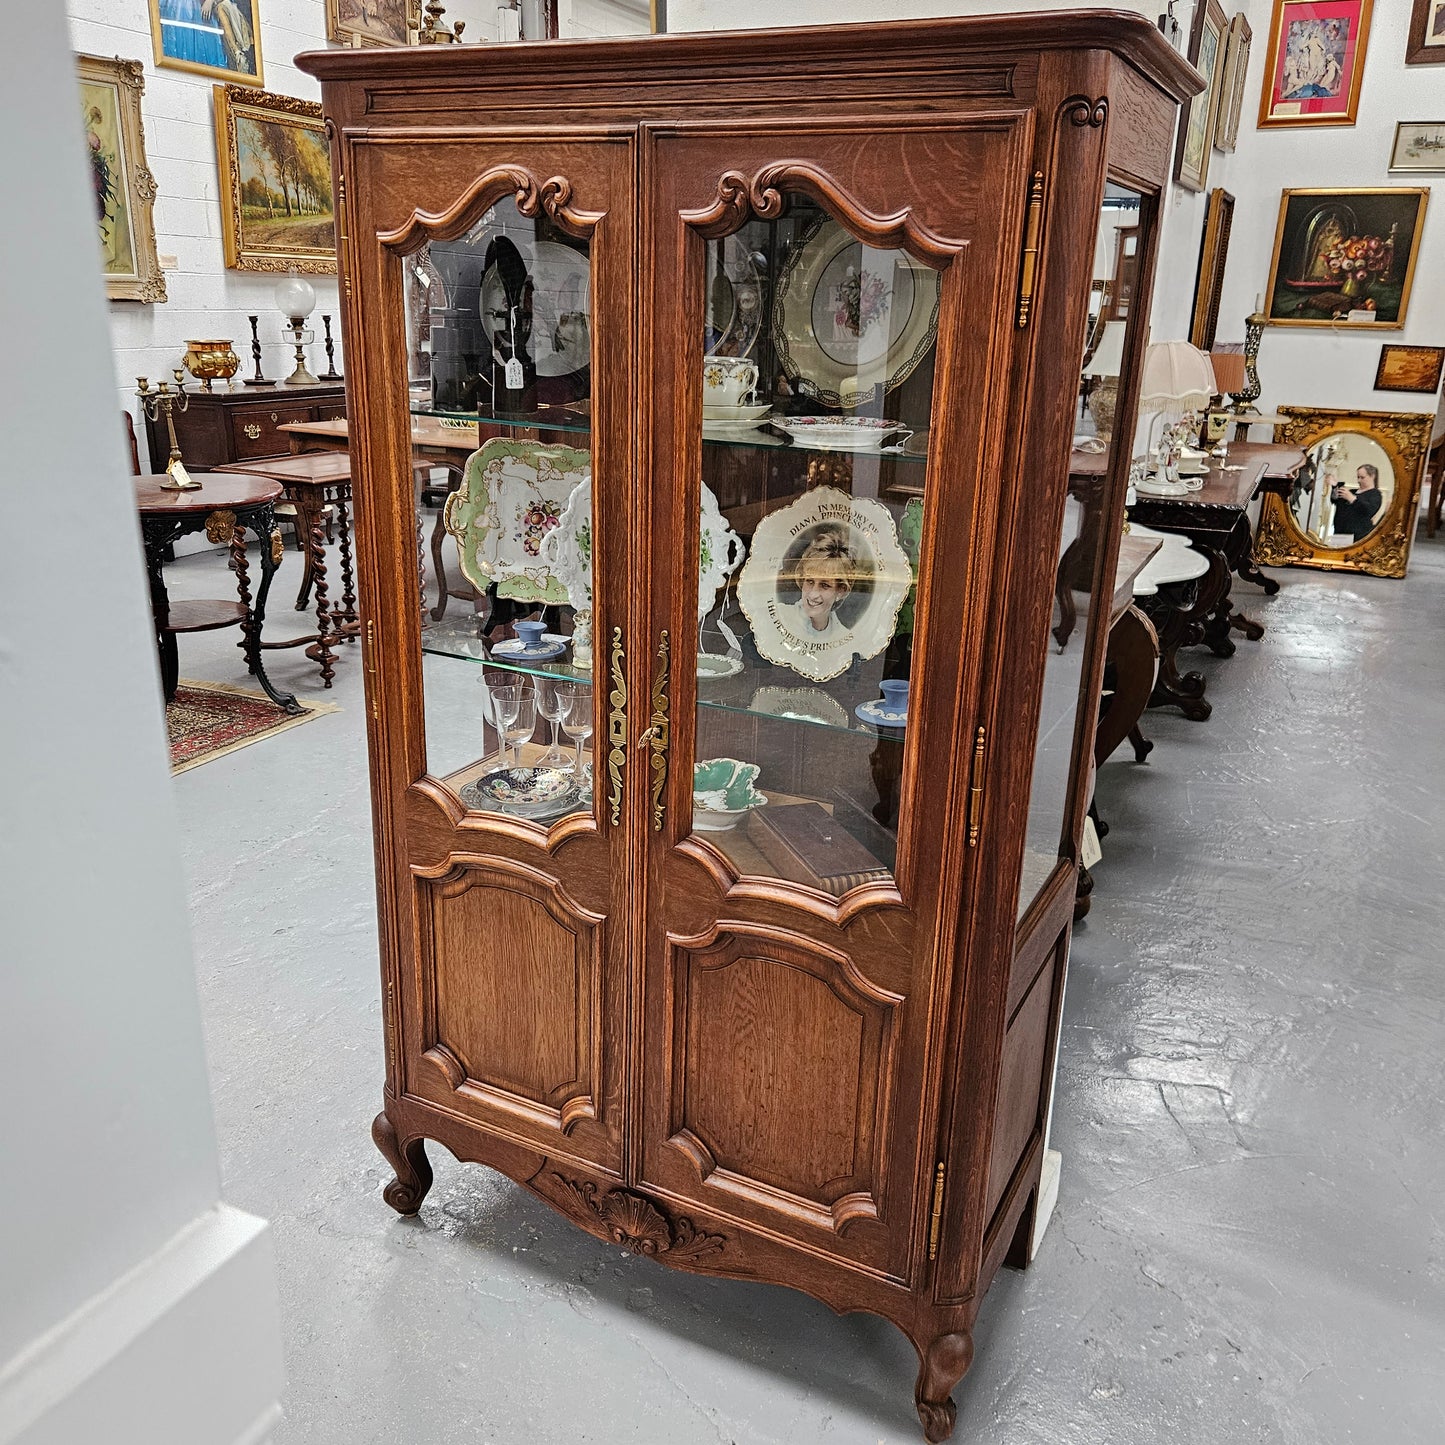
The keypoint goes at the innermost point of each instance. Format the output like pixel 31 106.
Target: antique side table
pixel 225 508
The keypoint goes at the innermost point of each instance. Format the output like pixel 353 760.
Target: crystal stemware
pixel 523 724
pixel 576 716
pixel 506 703
pixel 549 708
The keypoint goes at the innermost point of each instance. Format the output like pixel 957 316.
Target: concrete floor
pixel 1247 1245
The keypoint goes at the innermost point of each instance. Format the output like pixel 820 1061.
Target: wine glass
pixel 576 715
pixel 506 700
pixel 549 708
pixel 524 722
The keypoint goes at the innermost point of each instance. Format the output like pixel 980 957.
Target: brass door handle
pixel 252 430
pixel 659 735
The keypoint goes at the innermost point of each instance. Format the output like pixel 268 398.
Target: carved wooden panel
pixel 758 1019
pixel 513 1020
pixel 1020 1086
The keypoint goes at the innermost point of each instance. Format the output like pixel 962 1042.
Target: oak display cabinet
pixel 816 1047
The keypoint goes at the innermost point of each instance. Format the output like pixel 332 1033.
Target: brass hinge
pixel 935 1222
pixel 371 665
pixel 341 234
pixel 975 792
pixel 1029 265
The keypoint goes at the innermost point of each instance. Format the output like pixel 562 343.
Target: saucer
pixel 879 716
pixel 711 667
pixel 553 644
pixel 735 413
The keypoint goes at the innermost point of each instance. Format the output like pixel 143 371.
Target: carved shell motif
pixel 639 1226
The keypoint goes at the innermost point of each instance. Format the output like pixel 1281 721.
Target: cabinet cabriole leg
pixel 943 1362
pixel 413 1173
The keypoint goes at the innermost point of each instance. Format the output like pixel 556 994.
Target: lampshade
pixel 1177 377
pixel 1108 357
pixel 294 297
pixel 1228 367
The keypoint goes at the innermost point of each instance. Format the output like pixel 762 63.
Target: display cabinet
pixel 772 342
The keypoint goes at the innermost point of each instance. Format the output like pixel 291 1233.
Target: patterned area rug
pixel 207 720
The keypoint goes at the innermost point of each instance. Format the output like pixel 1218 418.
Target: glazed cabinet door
pixel 832 309
pixel 498 274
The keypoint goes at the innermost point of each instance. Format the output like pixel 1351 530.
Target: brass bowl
pixel 209 360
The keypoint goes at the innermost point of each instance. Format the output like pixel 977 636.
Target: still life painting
pixel 1345 258
pixel 275 170
pixel 1315 62
pixel 123 188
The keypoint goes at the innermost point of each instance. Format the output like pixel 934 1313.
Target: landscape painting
pixel 275 167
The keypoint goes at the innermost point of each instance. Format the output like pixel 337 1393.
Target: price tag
pixel 1091 852
pixel 514 376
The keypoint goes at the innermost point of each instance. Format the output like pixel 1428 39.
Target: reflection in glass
pixel 816 411
pixel 499 337
pixel 1116 262
pixel 1344 489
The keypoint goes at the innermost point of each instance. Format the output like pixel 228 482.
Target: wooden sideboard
pixel 224 426
pixel 812 1045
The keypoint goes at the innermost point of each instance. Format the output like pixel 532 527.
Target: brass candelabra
pixel 160 401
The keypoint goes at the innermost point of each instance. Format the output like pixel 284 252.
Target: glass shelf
pixel 567 421
pixel 825 706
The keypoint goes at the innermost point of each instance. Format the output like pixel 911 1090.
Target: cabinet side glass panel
pixel 817 388
pixel 1081 538
pixel 498 331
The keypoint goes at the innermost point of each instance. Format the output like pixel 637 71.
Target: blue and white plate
pixel 879 715
pixel 553 644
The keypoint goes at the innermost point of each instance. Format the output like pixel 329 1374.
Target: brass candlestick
pixel 1253 335
pixel 161 401
pixel 331 373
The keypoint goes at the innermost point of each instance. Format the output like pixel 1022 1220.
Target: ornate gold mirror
pixel 1351 504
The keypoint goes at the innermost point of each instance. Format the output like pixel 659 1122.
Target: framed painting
pixel 1426 43
pixel 221 38
pixel 1410 368
pixel 1345 258
pixel 1209 279
pixel 373 22
pixel 1237 46
pixel 1315 62
pixel 1126 273
pixel 1419 146
pixel 275 165
pixel 1197 118
pixel 124 189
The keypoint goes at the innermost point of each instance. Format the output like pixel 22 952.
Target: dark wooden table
pixel 225 507
pixel 313 482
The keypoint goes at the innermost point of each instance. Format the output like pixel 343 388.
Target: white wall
pixel 110 1220
pixel 1307 366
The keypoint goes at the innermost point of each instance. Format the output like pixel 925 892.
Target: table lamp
pixel 1104 367
pixel 1177 379
pixel 295 300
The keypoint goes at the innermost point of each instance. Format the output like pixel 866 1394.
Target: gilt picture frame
pixel 1395 442
pixel 1197 116
pixel 1237 47
pixel 1315 62
pixel 1345 258
pixel 1209 278
pixel 277 209
pixel 123 186
pixel 219 38
pixel 376 23
pixel 1425 44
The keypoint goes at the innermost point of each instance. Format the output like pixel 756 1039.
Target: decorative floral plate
pixel 512 495
pixel 720 549
pixel 723 793
pixel 568 547
pixel 850 321
pixel 525 792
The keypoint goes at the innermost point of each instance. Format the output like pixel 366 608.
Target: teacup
pixel 530 634
pixel 895 694
pixel 728 381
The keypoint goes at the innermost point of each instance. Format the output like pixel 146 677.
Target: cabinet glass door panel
pixel 818 432
pixel 817 386
pixel 1081 542
pixel 499 333
pixel 517 863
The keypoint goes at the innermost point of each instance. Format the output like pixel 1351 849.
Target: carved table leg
pixel 348 580
pixel 308 519
pixel 1180 625
pixel 1142 745
pixel 320 650
pixel 438 537
pixel 157 538
pixel 1249 569
pixel 264 522
pixel 943 1362
pixel 413 1173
